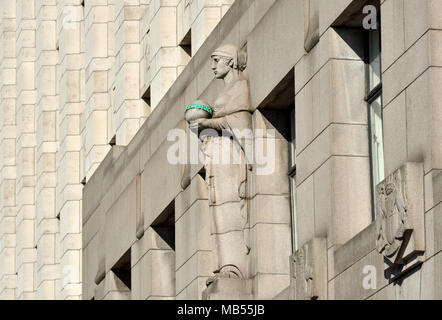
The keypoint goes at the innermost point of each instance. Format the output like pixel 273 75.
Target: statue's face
pixel 221 66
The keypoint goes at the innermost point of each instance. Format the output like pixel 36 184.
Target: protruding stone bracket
pixel 311 24
pixel 309 271
pixel 400 223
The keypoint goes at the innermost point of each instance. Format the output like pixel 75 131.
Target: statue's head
pixel 227 59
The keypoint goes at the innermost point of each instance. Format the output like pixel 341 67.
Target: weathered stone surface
pixel 400 220
pixel 268 34
pixel 229 289
pixel 309 271
pixel 358 247
pixel 77 78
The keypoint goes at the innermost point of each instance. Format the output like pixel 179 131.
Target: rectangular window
pixel 374 59
pixel 374 101
pixel 292 177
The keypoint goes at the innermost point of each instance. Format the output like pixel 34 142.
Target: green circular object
pixel 201 107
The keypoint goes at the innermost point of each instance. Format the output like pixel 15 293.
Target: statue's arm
pixel 218 124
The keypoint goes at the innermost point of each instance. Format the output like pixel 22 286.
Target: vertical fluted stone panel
pixel 94 121
pixel 71 99
pixel 47 233
pixel 8 277
pixel 128 111
pixel 25 149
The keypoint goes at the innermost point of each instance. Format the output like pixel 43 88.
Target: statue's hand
pixel 200 124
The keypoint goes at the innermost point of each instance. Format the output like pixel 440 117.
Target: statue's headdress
pixel 232 52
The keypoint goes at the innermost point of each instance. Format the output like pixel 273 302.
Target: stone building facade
pixel 343 93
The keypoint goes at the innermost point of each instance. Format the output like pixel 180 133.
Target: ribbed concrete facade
pixel 73 75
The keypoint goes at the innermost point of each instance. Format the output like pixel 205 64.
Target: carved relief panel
pixel 309 271
pixel 400 216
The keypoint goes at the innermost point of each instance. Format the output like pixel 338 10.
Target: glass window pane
pixel 374 58
pixel 377 143
pixel 293 211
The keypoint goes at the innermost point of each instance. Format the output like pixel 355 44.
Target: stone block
pixel 433 189
pixel 192 232
pixel 356 248
pixel 270 169
pixel 269 286
pixel 270 246
pixel 305 210
pixel 151 240
pixel 120 226
pixel 161 278
pixel 194 291
pixel 198 266
pixel 323 195
pixel 430 284
pixel 229 289
pixel 406 69
pixel 347 91
pixel 270 209
pixel 197 190
pixel 395 133
pixel 311 158
pixel 433 223
pixel 361 280
pixel 203 25
pixel 279 31
pixel 165 189
pixel 393 32
pixel 351 193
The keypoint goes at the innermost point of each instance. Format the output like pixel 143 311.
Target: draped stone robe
pixel 226 176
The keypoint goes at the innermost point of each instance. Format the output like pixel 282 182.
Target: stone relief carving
pixel 400 215
pixel 227 181
pixel 392 208
pixel 304 274
pixel 309 271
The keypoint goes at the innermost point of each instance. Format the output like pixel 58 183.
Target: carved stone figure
pixel 400 216
pixel 304 274
pixel 392 208
pixel 310 270
pixel 226 166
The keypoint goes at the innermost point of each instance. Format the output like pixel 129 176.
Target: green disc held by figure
pixel 198 110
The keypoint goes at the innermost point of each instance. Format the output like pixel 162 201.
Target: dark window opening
pixel 122 269
pixel 164 225
pixel 186 43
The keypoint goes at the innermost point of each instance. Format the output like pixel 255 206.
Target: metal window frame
pixel 370 97
pixel 292 176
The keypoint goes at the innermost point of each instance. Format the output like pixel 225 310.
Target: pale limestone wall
pixel 8 277
pixel 74 74
pixel 46 112
pixel 95 141
pixel 333 164
pixel 25 150
pixel 127 110
pixel 159 271
pixel 71 153
pixel 411 56
pixel 199 18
